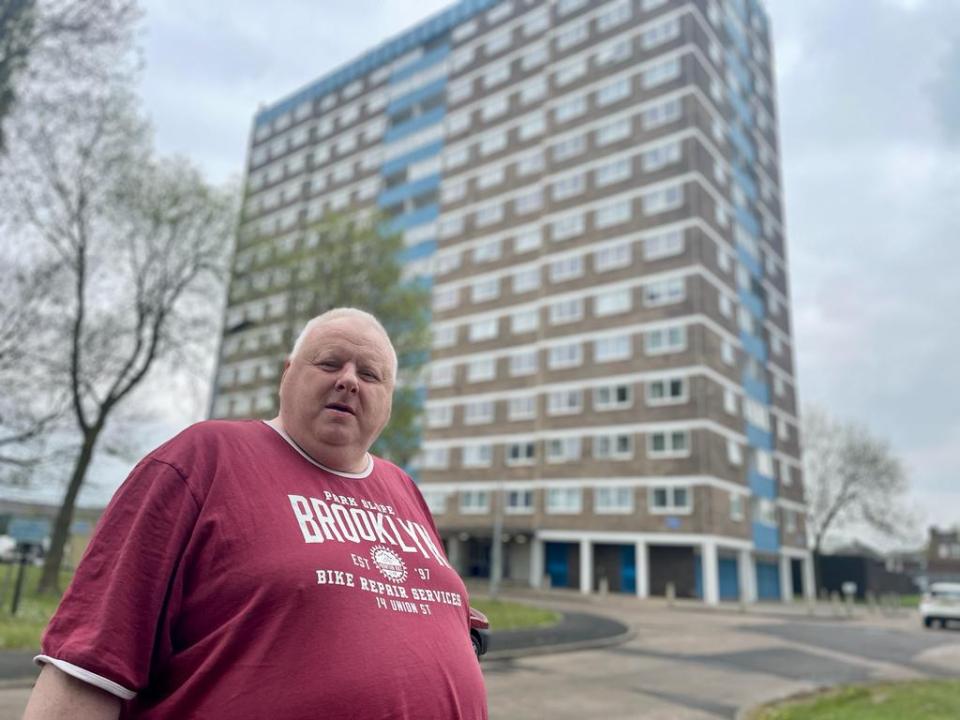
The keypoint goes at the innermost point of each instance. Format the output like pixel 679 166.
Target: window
pixel 661 33
pixel 572 35
pixel 612 172
pixel 734 452
pixel 533 90
pixel 486 289
pixel 498 43
pixel 790 521
pixel 530 164
pixel 612 257
pixel 614 131
pixel 566 311
pixel 566 268
pixel 670 500
pixel 570 108
pixel 499 12
pixel 481 369
pixel 612 92
pixel 528 202
pixel 564 402
pixel 478 412
pixel 494 142
pixel 463 58
pixel 527 241
pixel 570 72
pixel 764 512
pixel 521 453
pixel 615 52
pixel 474 501
pixel 662 200
pixel 665 340
pixel 568 186
pixel 565 7
pixel 444 337
pixel 496 75
pixel 612 302
pixel 477 455
pixel 483 330
pixel 436 501
pixel 524 321
pixel 439 416
pixel 664 292
pixel 661 156
pixel 661 114
pixel 495 107
pixel 612 397
pixel 613 214
pixel 763 462
pixel 456 158
pixel 613 500
pixel 531 127
pixel 536 22
pixel 488 215
pixel 526 280
pixel 569 148
pixel 487 252
pixel 565 356
pixel 490 178
pixel 536 57
pixel 727 352
pixel 564 500
pixel 617 14
pixel 666 392
pixel 436 458
pixel 522 408
pixel 563 449
pixel 441 375
pixel 668 444
pixel 567 227
pixel 519 502
pixel 445 298
pixel 610 349
pixel 523 363
pixel 725 305
pixel 662 72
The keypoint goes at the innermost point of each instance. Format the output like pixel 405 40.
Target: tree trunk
pixel 50 578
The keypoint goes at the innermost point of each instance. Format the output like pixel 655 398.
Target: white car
pixel 940 604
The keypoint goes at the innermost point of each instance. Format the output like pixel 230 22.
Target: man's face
pixel 336 393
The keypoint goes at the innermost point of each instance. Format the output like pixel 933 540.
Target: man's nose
pixel 348 381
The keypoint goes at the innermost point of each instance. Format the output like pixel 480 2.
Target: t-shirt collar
pixel 282 433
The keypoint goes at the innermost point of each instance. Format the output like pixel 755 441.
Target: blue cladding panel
pixel 761 485
pixel 422 153
pixel 409 190
pixel 748 221
pixel 756 389
pixel 729 579
pixel 419 251
pixel 750 262
pixel 390 50
pixel 431 58
pixel 752 303
pixel 416 96
pixel 735 33
pixel 759 438
pixel 741 107
pixel 768 580
pixel 418 123
pixel 754 346
pixel 745 182
pixel 743 143
pixel 628 568
pixel 556 562
pixel 412 219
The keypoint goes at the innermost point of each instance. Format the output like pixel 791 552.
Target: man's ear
pixel 286 366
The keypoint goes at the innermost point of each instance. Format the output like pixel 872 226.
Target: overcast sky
pixel 869 102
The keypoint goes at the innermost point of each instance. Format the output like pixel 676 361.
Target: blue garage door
pixel 768 580
pixel 556 556
pixel 628 569
pixel 729 579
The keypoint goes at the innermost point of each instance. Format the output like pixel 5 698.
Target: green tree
pixel 16 32
pixel 358 266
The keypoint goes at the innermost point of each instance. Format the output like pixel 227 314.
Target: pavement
pixel 621 658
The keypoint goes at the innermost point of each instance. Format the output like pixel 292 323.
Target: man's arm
pixel 58 696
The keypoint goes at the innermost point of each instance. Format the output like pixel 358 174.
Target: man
pixel 270 570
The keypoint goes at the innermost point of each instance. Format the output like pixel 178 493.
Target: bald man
pixel 275 569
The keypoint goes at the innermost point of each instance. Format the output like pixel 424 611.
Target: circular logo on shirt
pixel 388 563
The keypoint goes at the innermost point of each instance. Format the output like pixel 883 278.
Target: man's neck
pixel 330 458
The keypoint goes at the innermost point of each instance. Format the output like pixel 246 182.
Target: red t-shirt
pixel 233 577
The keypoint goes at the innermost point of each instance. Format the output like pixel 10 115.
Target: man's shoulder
pixel 207 436
pixel 385 468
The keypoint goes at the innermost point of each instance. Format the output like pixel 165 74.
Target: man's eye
pixel 369 375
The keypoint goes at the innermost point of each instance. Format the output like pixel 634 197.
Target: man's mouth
pixel 340 407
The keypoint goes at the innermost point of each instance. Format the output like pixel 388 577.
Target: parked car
pixel 479 632
pixel 940 604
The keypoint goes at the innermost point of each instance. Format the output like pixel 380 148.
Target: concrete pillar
pixel 536 562
pixel 748 577
pixel 454 552
pixel 642 564
pixel 809 579
pixel 710 569
pixel 586 567
pixel 786 579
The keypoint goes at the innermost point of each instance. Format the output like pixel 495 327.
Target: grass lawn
pixel 512 616
pixel 23 631
pixel 919 700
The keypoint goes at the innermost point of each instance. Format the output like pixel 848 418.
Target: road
pixel 689 663
pixel 694 664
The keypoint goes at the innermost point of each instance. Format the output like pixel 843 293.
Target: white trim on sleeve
pixel 88 677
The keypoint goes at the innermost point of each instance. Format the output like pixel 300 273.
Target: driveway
pixel 687 663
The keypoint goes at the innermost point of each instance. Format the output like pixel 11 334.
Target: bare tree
pixel 853 481
pixel 51 44
pixel 140 246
